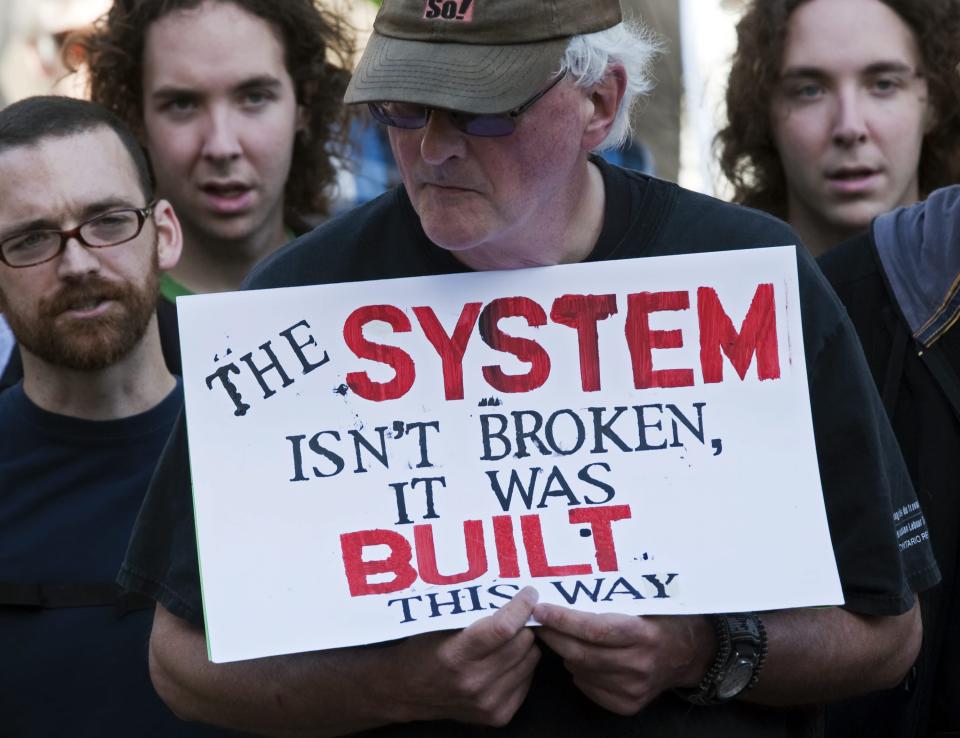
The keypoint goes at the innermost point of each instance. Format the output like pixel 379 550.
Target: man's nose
pixel 441 140
pixel 77 260
pixel 221 140
pixel 850 122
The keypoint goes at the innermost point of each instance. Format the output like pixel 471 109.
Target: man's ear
pixel 169 235
pixel 606 97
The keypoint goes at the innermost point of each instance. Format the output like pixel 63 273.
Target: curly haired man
pixel 841 111
pixel 238 103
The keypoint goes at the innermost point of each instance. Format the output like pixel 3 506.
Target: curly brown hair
pixel 748 156
pixel 318 49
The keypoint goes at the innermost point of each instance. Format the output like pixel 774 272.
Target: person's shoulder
pixel 720 225
pixel 700 223
pixel 851 262
pixel 853 270
pixel 10 397
pixel 682 221
pixel 13 371
pixel 332 252
pixel 715 225
pixel 17 423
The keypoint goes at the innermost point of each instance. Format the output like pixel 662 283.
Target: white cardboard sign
pixel 376 460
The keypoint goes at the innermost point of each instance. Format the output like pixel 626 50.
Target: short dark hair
pixel 29 121
pixel 748 156
pixel 313 39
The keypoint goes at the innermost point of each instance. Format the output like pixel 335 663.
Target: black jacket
pixel 899 283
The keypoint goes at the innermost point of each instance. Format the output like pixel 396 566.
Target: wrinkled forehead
pixel 59 177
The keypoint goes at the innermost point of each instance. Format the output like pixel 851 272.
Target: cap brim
pixel 467 77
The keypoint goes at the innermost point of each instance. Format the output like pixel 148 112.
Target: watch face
pixel 736 679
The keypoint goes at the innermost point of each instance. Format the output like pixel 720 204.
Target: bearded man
pixel 82 245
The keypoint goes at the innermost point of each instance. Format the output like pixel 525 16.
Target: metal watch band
pixel 742 650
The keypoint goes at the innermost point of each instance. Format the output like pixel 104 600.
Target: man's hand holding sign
pixel 622 662
pixel 421 479
pixel 455 542
pixel 393 462
pixel 480 674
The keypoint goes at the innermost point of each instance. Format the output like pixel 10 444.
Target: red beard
pixel 95 343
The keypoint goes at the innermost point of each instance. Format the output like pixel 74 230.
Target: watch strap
pixel 740 637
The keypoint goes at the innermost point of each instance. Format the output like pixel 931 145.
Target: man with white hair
pixel 494 111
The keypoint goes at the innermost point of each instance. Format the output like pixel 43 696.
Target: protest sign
pixel 376 460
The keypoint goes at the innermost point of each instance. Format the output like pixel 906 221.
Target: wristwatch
pixel 743 648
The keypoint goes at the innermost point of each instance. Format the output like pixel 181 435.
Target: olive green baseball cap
pixel 478 56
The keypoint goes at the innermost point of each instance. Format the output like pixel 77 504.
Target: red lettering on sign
pixel 758 335
pixel 537 556
pixel 450 349
pixel 358 570
pixel 506 546
pixel 599 520
pixel 524 349
pixel 396 358
pixel 582 312
pixel 641 339
pixel 399 561
pixel 427 554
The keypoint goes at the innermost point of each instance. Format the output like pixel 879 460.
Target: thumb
pixel 485 636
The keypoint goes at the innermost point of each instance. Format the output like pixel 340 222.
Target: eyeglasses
pixel 108 229
pixel 488 125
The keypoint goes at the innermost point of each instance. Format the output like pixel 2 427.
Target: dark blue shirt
pixel 70 490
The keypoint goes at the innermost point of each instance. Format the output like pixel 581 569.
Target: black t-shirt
pixel 863 477
pixel 13 370
pixel 71 489
pixel 928 430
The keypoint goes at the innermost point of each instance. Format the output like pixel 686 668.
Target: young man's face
pixel 220 117
pixel 848 116
pixel 86 308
